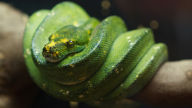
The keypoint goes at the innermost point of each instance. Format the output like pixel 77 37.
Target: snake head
pixel 66 41
pixel 56 51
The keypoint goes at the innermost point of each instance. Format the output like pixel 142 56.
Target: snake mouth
pixel 52 60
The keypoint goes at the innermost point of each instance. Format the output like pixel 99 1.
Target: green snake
pixel 75 57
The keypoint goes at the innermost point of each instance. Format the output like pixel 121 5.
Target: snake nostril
pixel 44 50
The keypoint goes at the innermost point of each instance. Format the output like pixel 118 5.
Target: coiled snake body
pixel 75 57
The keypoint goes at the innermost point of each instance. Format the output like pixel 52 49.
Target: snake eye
pixel 70 44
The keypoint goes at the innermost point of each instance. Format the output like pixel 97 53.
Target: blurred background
pixel 170 20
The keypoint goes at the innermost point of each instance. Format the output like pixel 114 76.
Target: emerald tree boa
pixel 75 57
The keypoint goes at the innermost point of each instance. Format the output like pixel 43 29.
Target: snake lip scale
pixel 75 57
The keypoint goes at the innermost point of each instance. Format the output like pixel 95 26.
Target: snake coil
pixel 114 63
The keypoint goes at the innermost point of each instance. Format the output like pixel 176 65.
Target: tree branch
pixel 171 86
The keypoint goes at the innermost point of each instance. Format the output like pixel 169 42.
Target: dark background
pixel 171 21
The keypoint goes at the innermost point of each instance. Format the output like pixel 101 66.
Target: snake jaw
pixel 52 60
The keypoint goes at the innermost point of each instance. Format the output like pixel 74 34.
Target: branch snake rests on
pixel 75 57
